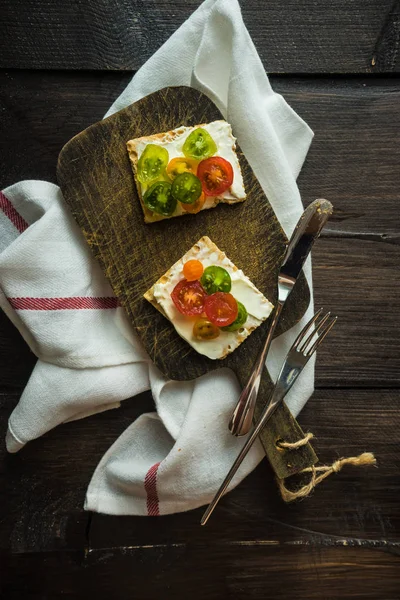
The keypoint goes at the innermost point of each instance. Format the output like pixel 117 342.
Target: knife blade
pixel 304 235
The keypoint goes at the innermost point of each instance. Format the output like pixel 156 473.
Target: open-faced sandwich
pixel 186 170
pixel 209 301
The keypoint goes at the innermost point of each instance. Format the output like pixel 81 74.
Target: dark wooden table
pixel 337 63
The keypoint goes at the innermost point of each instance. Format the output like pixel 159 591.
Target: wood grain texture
pixel 42 497
pixel 45 486
pixel 352 161
pixel 97 182
pixel 358 280
pixel 355 504
pixel 362 351
pixel 343 541
pixel 16 359
pixel 291 37
pixel 180 571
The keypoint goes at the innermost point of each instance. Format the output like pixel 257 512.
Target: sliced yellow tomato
pixel 205 330
pixel 181 164
pixel 196 206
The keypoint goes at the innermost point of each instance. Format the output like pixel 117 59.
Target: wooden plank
pixel 45 110
pixel 16 359
pixel 358 281
pixel 353 159
pixel 356 504
pixel 353 162
pixel 291 37
pixel 46 484
pixel 40 508
pixel 353 278
pixel 217 572
pixel 43 488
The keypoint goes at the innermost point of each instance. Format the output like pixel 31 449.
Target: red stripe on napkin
pixel 150 485
pixel 12 214
pixel 77 303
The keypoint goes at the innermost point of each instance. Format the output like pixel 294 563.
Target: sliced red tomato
pixel 215 174
pixel 189 297
pixel 221 309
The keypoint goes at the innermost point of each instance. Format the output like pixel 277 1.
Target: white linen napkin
pixel 89 357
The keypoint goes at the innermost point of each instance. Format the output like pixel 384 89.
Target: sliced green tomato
pixel 199 145
pixel 186 188
pixel 216 279
pixel 162 177
pixel 152 163
pixel 203 329
pixel 240 319
pixel 159 199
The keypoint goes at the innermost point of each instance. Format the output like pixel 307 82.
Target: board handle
pixel 281 427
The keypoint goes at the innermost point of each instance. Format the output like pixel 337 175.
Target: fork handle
pixel 266 414
pixel 282 425
pixel 242 417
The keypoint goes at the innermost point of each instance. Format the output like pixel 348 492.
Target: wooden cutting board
pixel 96 178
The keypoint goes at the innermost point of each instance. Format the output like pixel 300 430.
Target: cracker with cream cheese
pixel 243 290
pixel 173 141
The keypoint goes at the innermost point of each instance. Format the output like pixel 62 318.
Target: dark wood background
pixel 338 65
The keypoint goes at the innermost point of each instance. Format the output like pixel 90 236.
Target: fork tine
pixel 313 333
pixel 321 337
pixel 307 328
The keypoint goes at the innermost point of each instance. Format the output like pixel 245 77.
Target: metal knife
pixel 306 232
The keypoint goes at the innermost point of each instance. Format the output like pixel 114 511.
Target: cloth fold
pixel 89 357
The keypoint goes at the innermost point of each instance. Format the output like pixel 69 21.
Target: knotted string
pixel 295 445
pixel 365 459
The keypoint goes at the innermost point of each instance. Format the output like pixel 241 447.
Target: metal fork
pixel 298 356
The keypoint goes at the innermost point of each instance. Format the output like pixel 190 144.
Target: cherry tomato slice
pixel 216 175
pixel 152 163
pixel 216 279
pixel 196 206
pixel 221 309
pixel 240 319
pixel 158 198
pixel 179 165
pixel 186 188
pixel 189 297
pixel 192 270
pixel 205 330
pixel 199 144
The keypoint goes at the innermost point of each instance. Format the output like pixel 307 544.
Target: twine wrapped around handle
pixel 295 445
pixel 364 459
